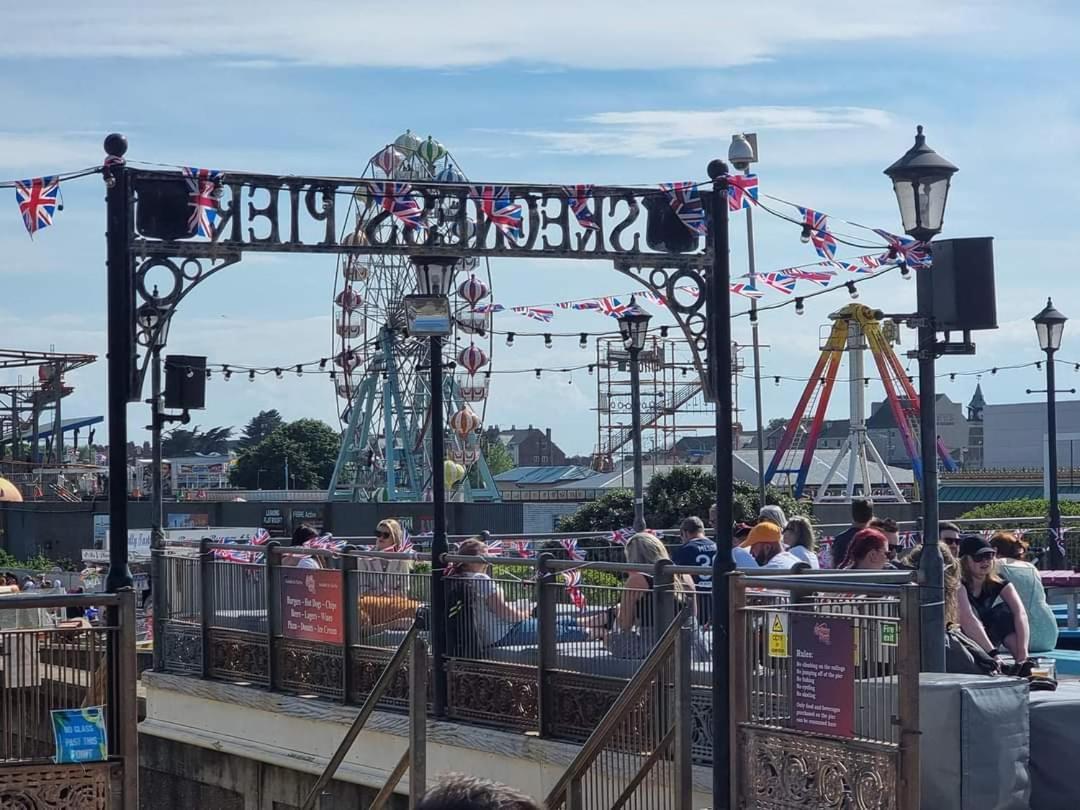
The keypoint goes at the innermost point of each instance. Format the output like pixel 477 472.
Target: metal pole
pixel 931 565
pixel 438 539
pixel 157 537
pixel 718 320
pixel 119 296
pixel 1057 558
pixel 756 343
pixel 58 421
pixel 635 429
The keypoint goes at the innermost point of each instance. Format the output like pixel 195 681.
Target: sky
pixel 555 92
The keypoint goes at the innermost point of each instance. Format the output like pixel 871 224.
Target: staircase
pixel 650 416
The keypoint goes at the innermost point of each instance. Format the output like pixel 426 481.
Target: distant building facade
pixel 529 447
pixel 952 429
pixel 1014 435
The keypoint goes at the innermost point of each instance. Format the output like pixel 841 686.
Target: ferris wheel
pixel 380 372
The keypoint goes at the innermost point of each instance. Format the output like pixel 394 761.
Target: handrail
pixel 381 685
pixel 45 600
pixel 627 699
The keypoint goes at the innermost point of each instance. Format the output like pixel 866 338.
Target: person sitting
pixel 799 538
pixel 868 551
pixel 496 622
pixel 699 551
pixel 634 630
pixel 1011 567
pixel 379 575
pixel 461 792
pixel 301 535
pixel 765 546
pixel 773 514
pixel 949 533
pixel 887 526
pixel 994 601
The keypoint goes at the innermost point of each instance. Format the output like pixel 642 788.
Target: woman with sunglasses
pixel 994 601
pixel 384 585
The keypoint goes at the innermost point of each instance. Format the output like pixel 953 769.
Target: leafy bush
pixel 1021 507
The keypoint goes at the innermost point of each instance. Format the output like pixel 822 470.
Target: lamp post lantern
pixel 921 180
pixel 634 328
pixel 1049 326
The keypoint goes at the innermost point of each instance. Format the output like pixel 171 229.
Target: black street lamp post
pixel 634 328
pixel 921 181
pixel 1049 325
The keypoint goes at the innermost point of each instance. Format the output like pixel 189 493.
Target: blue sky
pixel 603 92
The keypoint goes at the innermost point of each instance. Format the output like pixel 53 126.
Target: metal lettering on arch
pixel 290 214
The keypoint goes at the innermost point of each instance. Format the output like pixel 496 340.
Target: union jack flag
pixel 909 539
pixel 691 289
pixel 612 306
pixel 398 200
pixel 1058 536
pixel 822 277
pixel 742 191
pixel 578 197
pixel 825 559
pixel 38 201
pixel 327 542
pixel 686 201
pixel 621 536
pixel 484 309
pixel 746 289
pixel 572 579
pixel 536 313
pixel 587 304
pixel 570 547
pixel 851 268
pixel 495 548
pixel 404 547
pixel 913 253
pixel 202 199
pixel 522 548
pixel 653 298
pixel 780 282
pixel 500 211
pixel 871 262
pixel 823 241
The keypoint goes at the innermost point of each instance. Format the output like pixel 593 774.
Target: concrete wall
pixel 1013 434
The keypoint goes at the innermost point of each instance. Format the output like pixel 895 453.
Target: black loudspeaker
pixel 162 209
pixel 185 382
pixel 962 278
pixel 664 231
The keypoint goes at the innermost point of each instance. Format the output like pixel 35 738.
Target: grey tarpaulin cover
pixel 1055 742
pixel 974 742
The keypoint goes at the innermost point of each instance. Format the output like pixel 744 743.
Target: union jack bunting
pixel 823 241
pixel 398 200
pixel 1058 536
pixel 825 559
pixel 909 539
pixel 913 253
pixel 686 202
pixel 522 548
pixel 588 304
pixel 653 298
pixel 495 548
pixel 497 207
pixel 404 547
pixel 870 262
pixel 621 536
pixel 572 579
pixel 694 292
pixel 484 309
pixel 536 313
pixel 746 290
pixel 38 201
pixel 849 267
pixel 202 199
pixel 327 542
pixel 578 197
pixel 612 306
pixel 742 191
pixel 570 547
pixel 822 277
pixel 780 282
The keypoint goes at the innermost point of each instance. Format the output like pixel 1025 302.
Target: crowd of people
pixel 11 583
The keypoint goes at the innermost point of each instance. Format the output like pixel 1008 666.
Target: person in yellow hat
pixel 765 543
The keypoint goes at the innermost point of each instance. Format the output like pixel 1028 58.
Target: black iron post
pixel 718 319
pixel 438 539
pixel 157 561
pixel 635 428
pixel 931 564
pixel 120 275
pixel 1057 558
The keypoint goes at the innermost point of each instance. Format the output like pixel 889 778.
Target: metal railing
pixel 47 665
pixel 825 668
pixel 412 650
pixel 639 755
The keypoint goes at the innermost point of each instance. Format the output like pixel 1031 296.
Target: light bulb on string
pixel 777 381
pixel 854 293
pixel 1038 365
pixel 905 272
pixel 804 237
pixel 663 331
pixel 228 375
pixel 584 342
pixel 209 374
pixel 547 341
pixel 538 374
pixel 277 373
pixel 509 338
pixel 190 372
pixel 590 371
pixel 299 370
pixel 251 376
pixel 799 308
pixel 322 364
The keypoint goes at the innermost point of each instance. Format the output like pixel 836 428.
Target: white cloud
pixel 677 133
pixel 602 34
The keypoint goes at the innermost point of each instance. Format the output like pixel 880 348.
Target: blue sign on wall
pixel 80 735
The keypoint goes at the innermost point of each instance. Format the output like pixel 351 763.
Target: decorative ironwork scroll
pixel 310 667
pixel 579 703
pixel 55 787
pixel 505 695
pixel 239 656
pixel 182 645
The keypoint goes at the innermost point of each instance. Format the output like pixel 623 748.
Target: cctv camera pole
pixel 718 320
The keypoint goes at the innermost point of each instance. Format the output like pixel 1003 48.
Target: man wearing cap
pixel 765 546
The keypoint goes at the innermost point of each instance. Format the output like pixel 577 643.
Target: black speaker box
pixel 162 211
pixel 185 382
pixel 962 279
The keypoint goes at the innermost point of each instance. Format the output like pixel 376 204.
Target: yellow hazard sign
pixel 778 635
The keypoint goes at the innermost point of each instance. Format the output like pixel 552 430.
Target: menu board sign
pixel 311 605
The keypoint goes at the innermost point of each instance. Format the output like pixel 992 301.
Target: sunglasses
pixel 382 533
pixel 985 556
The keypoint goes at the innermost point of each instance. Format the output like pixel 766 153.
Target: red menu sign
pixel 823 651
pixel 311 602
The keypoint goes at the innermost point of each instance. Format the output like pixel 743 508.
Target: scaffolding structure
pixel 673 404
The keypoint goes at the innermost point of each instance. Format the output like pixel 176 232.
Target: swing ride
pixel 855 328
pixel 380 374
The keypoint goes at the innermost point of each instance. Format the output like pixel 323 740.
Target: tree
pixel 183 442
pixel 672 496
pixel 260 426
pixel 307 446
pixel 777 422
pixel 498 458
